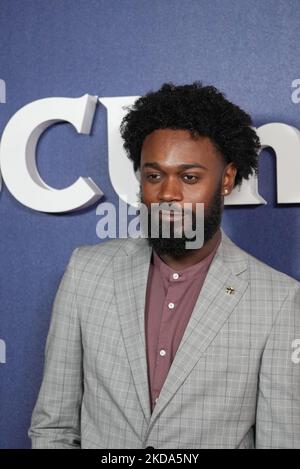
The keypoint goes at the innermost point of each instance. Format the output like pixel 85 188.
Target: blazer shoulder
pixel 264 273
pixel 262 270
pixel 92 255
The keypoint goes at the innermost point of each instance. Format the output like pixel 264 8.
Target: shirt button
pixel 162 352
pixel 171 305
pixel 175 276
pixel 155 400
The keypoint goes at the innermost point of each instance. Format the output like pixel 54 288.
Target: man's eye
pixel 153 176
pixel 190 178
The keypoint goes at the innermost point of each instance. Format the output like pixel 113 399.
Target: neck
pixel 191 256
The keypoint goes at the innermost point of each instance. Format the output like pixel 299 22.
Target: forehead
pixel 171 147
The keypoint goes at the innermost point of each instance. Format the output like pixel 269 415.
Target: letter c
pixel 18 154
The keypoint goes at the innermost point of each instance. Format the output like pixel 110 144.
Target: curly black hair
pixel 204 111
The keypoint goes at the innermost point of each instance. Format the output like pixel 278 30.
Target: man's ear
pixel 229 175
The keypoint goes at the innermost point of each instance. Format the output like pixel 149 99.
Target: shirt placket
pixel 164 344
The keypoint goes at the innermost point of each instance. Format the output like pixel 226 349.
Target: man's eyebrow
pixel 180 166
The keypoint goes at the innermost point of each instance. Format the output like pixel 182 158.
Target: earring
pixel 225 191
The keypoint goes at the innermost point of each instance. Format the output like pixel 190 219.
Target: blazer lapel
pixel 131 275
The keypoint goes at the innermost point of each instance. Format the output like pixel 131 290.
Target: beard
pixel 176 246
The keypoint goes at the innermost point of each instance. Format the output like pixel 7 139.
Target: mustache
pixel 176 210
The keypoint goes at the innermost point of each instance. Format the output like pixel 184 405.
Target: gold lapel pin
pixel 229 290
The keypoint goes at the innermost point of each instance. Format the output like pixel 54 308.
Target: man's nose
pixel 170 191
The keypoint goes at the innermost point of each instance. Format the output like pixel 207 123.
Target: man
pixel 153 344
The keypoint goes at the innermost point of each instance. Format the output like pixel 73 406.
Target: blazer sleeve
pixel 55 420
pixel 278 405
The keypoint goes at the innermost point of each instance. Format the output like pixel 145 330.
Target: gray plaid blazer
pixel 233 382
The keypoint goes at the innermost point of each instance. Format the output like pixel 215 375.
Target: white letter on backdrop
pixel 18 154
pixel 285 141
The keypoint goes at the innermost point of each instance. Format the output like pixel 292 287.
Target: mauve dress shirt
pixel 170 299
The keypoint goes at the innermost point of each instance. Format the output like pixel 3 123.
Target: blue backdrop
pixel 248 49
